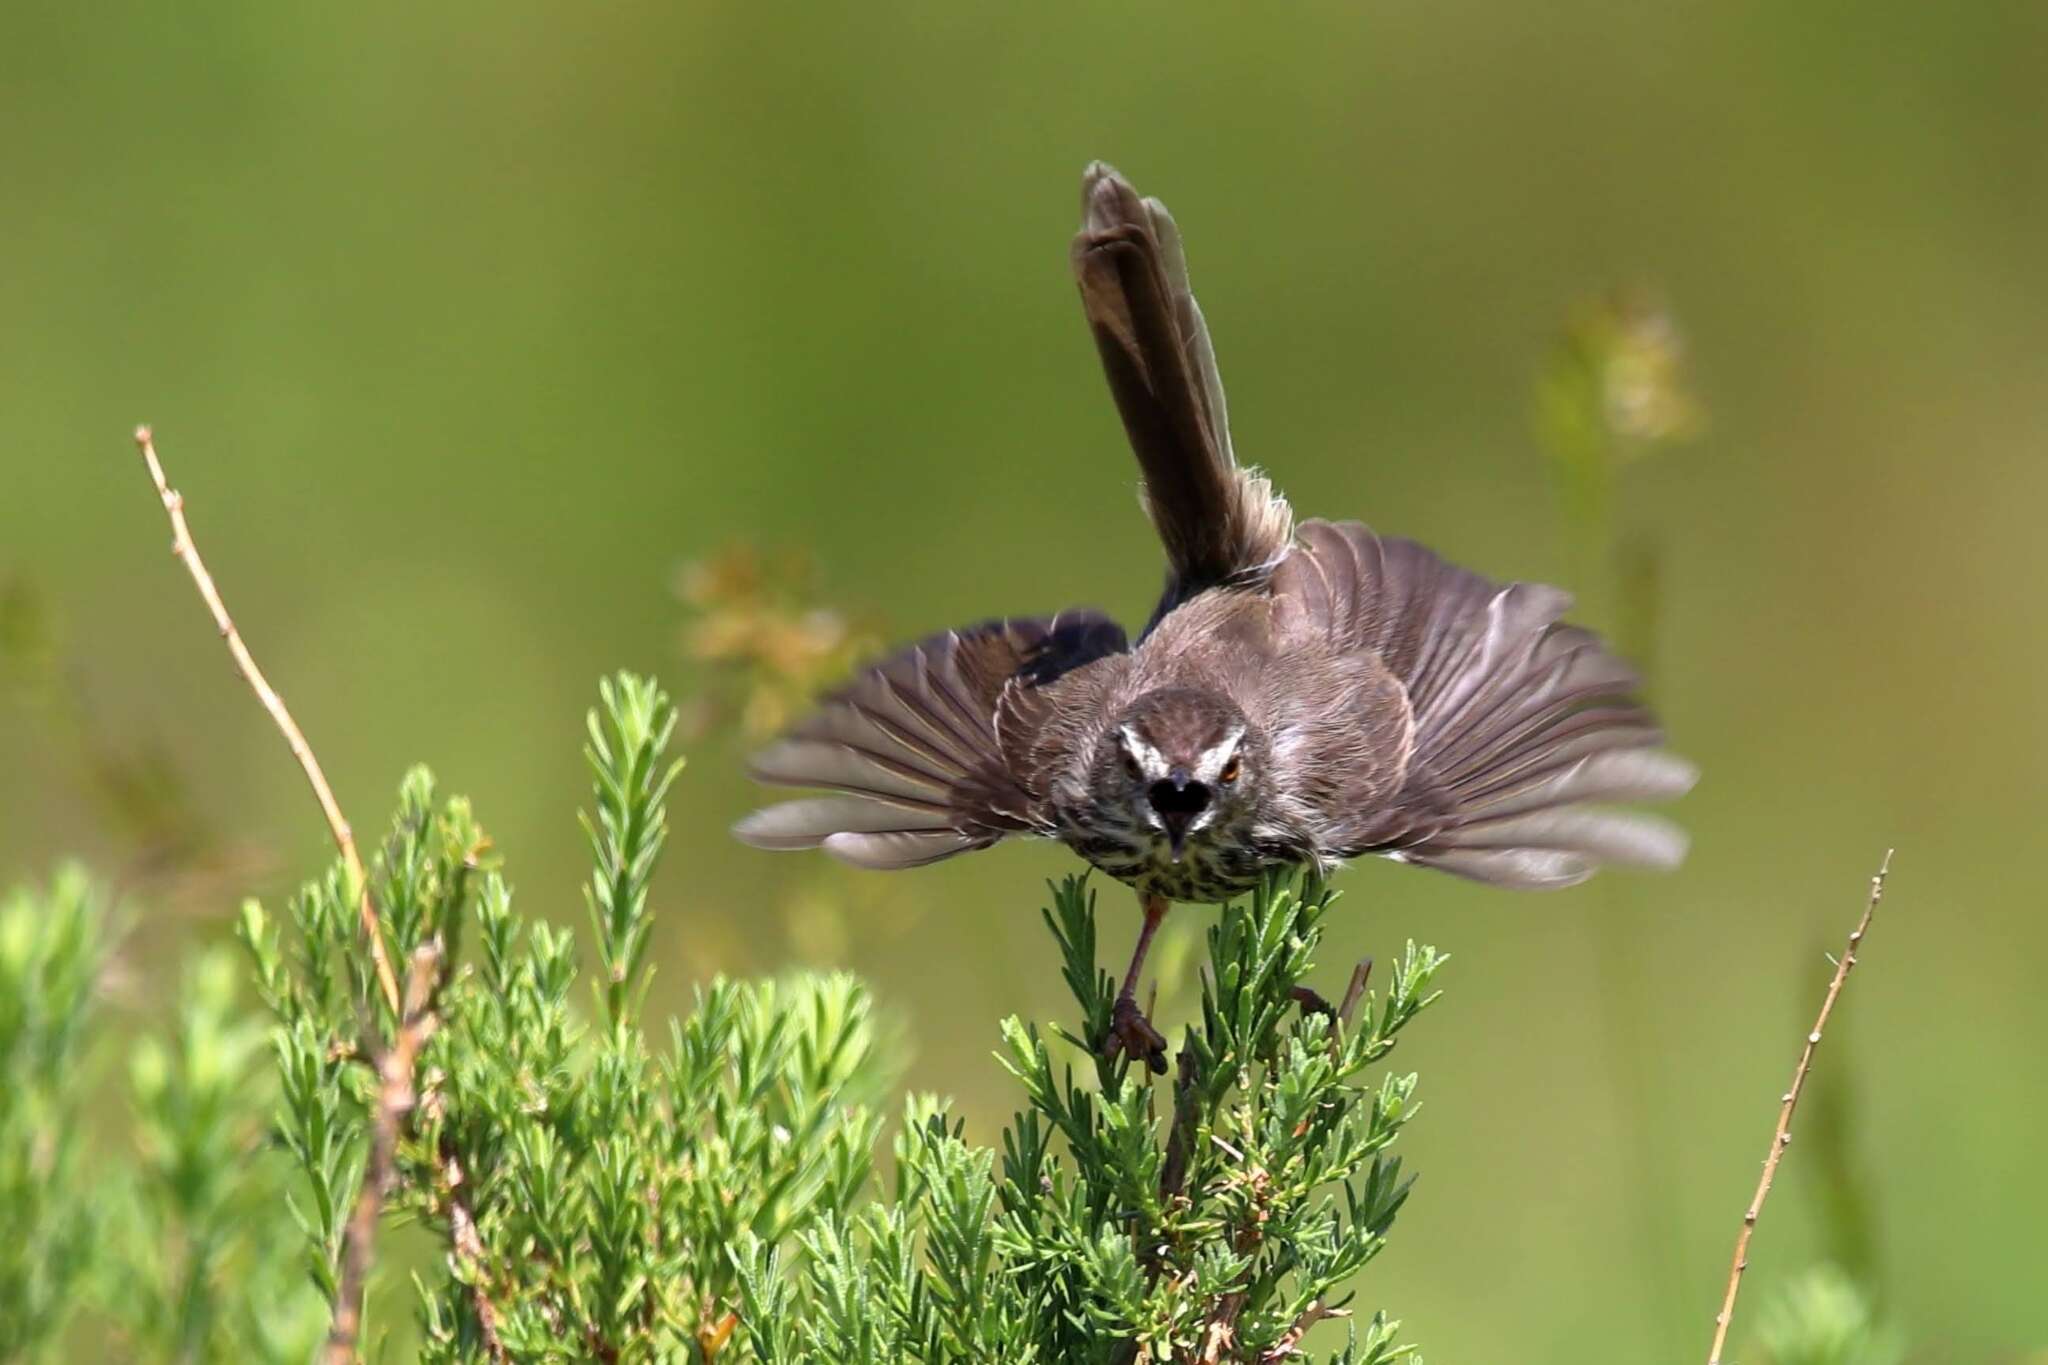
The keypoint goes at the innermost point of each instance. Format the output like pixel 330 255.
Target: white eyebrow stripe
pixel 1150 760
pixel 1212 759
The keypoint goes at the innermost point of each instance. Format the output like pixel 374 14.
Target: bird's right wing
pixel 1522 730
pixel 912 749
pixel 1219 523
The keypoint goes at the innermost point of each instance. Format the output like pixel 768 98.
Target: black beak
pixel 1178 799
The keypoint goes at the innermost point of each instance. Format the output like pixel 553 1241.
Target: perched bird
pixel 1301 695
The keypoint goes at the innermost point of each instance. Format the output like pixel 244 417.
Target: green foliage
pixel 591 1195
pixel 1234 1202
pixel 1214 1217
pixel 587 1187
pixel 201 1266
pixel 180 1249
pixel 1824 1318
pixel 1612 391
pixel 50 947
pixel 629 735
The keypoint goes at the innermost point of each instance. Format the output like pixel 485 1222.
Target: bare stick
pixel 395 1100
pixel 1289 1344
pixel 1180 1140
pixel 1790 1102
pixel 1360 974
pixel 245 663
pixel 469 1251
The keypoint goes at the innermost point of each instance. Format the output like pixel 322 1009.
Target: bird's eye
pixel 1229 773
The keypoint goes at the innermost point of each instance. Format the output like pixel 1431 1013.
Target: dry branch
pixel 1783 1134
pixel 395 1098
pixel 471 1255
pixel 413 1013
pixel 245 663
pixel 1289 1344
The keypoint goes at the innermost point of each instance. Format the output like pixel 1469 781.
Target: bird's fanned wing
pixel 911 747
pixel 1523 729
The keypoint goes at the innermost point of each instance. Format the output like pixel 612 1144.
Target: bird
pixel 1301 695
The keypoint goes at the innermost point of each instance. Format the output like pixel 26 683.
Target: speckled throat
pixel 1216 863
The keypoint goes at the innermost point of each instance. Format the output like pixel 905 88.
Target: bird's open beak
pixel 1176 812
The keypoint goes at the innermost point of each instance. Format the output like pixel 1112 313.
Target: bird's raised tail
pixel 1219 523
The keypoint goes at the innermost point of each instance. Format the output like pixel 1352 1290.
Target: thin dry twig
pixel 1222 1331
pixel 470 1253
pixel 1783 1136
pixel 1180 1141
pixel 395 1099
pixel 1289 1344
pixel 1360 974
pixel 245 663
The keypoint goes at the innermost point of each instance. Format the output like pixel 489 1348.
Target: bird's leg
pixel 1312 1001
pixel 1130 1032
pixel 1340 1015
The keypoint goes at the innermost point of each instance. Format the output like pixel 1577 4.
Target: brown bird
pixel 1301 695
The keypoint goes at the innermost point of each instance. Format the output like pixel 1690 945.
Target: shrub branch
pixel 471 1255
pixel 622 1203
pixel 245 663
pixel 413 1013
pixel 1782 1137
pixel 395 1099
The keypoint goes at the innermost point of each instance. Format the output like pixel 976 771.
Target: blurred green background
pixel 463 326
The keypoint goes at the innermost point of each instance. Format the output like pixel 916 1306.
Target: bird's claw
pixel 1312 1002
pixel 1131 1035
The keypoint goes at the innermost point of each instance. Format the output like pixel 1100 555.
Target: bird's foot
pixel 1131 1034
pixel 1312 1002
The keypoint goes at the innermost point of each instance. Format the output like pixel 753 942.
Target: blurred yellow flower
pixel 763 645
pixel 1615 387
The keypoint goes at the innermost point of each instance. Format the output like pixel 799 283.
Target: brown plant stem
pixel 413 1012
pixel 1289 1344
pixel 469 1252
pixel 1180 1139
pixel 245 663
pixel 1354 990
pixel 395 1099
pixel 1783 1134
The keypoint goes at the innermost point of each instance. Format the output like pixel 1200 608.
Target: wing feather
pixel 912 750
pixel 1524 728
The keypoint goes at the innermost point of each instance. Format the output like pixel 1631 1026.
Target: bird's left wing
pixel 1522 733
pixel 912 748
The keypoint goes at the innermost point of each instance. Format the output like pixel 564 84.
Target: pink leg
pixel 1130 1032
pixel 1155 911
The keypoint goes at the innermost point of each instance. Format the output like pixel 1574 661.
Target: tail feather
pixel 1193 329
pixel 1219 523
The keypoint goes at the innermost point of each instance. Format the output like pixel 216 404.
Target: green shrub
pixel 709 1193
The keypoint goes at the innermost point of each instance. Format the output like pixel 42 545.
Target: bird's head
pixel 1178 761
